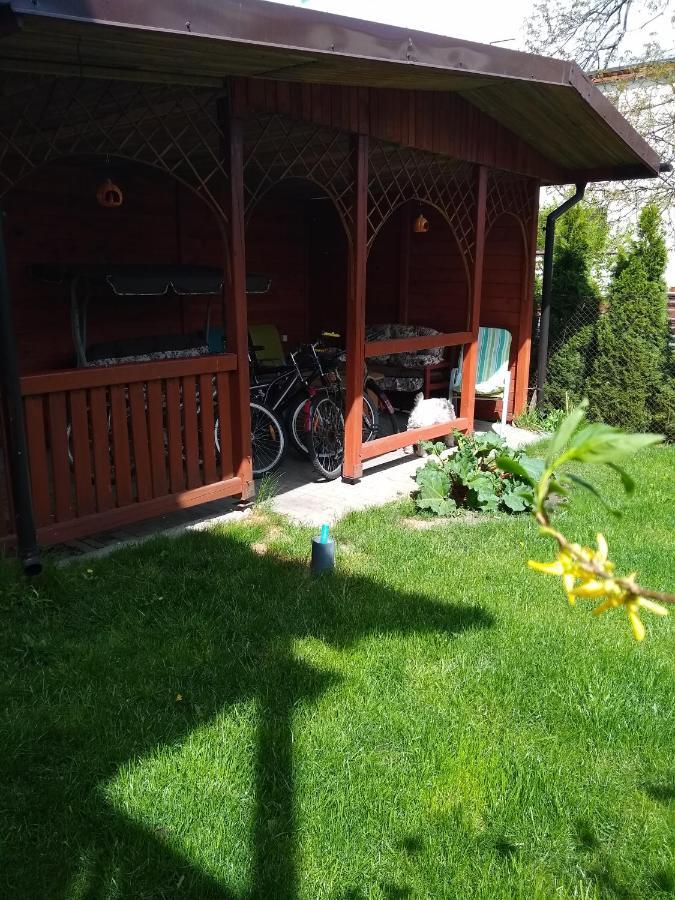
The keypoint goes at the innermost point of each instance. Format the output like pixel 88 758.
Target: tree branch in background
pixel 640 84
pixel 591 32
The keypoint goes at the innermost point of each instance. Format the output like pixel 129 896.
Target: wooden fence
pixel 109 446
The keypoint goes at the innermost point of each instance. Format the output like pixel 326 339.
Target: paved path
pixel 310 502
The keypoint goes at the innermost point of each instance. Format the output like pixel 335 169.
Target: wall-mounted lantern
pixel 109 195
pixel 420 225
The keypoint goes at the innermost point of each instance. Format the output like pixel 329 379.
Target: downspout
pixel 29 552
pixel 547 284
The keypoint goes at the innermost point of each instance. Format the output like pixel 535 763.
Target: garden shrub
pixel 579 253
pixel 630 376
pixel 663 407
pixel 569 367
pixel 533 420
pixel 468 477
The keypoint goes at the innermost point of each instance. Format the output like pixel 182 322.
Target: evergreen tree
pixel 578 254
pixel 629 369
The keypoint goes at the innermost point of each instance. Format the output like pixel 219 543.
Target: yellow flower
pixel 632 604
pixel 580 583
pixel 568 567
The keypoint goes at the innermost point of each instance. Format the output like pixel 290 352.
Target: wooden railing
pixel 111 445
pixel 414 344
pixel 391 442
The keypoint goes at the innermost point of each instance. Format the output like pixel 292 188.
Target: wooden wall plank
pixel 136 512
pixel 224 419
pixel 81 451
pixel 174 436
pixel 37 459
pixel 101 433
pixel 139 431
pixel 207 424
pixel 190 432
pixel 157 434
pixel 121 449
pixel 61 466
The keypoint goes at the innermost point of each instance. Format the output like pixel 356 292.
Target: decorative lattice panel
pixel 398 174
pixel 277 148
pixel 508 193
pixel 172 128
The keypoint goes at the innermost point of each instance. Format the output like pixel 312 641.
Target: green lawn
pixel 197 718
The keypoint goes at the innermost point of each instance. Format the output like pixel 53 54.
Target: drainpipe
pixel 547 284
pixel 29 552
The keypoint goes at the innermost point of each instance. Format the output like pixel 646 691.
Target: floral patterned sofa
pixel 420 370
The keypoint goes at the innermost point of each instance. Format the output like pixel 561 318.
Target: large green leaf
pixel 433 483
pixel 565 431
pixel 519 499
pixel 599 443
pixel 438 505
pixel 528 468
pixel 596 493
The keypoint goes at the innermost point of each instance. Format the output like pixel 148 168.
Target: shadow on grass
pixel 95 661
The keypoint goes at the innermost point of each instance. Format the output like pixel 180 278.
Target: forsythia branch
pixel 588 573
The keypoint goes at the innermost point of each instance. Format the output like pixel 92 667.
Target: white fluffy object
pixel 433 411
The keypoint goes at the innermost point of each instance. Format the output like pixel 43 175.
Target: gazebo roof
pixel 550 103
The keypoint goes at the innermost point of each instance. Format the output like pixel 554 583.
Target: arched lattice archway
pixel 278 149
pixel 418 278
pixel 398 175
pixel 175 129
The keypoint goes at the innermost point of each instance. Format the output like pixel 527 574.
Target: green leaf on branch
pixel 565 432
pixel 596 493
pixel 598 443
pixel 626 480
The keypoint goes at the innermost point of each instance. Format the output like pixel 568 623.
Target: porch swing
pixel 82 281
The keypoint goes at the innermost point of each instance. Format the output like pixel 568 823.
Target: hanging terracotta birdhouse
pixel 420 225
pixel 109 195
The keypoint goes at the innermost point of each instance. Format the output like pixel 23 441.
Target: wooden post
pixel 236 312
pixel 352 467
pixel 16 458
pixel 469 369
pixel 526 312
pixel 404 265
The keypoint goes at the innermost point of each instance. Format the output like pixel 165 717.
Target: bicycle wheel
pixel 298 426
pixel 370 428
pixel 326 435
pixel 268 440
pixel 385 408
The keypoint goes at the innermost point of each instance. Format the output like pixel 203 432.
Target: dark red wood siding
pixel 505 271
pixel 440 122
pixel 53 217
pixel 417 279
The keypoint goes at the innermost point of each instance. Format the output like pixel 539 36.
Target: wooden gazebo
pixel 214 127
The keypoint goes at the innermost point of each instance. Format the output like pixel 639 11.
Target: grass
pixel 196 718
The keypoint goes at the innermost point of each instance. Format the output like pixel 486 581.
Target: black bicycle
pixel 325 422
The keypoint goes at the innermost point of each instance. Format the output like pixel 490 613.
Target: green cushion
pixel 267 337
pixel 494 346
